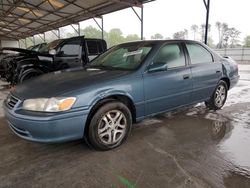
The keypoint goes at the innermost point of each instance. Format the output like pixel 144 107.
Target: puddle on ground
pixel 236 146
pixel 210 145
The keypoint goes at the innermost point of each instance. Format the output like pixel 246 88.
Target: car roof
pixel 163 41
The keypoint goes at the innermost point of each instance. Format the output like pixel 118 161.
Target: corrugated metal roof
pixel 24 18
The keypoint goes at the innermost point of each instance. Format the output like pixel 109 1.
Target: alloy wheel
pixel 220 96
pixel 112 127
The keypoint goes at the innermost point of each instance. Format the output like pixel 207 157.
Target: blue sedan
pixel 124 85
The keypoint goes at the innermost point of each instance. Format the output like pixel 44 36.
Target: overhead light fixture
pixel 4 29
pixel 35 12
pixel 23 9
pixel 24 20
pixel 38 14
pixel 56 3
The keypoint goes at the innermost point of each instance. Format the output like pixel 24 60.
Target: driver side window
pixel 71 48
pixel 172 55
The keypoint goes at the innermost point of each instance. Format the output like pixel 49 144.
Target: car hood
pixel 61 82
pixel 20 50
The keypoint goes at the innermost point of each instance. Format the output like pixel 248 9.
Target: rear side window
pixel 95 47
pixel 71 48
pixel 172 55
pixel 198 54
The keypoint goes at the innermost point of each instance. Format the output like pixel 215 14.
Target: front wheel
pixel 110 126
pixel 218 99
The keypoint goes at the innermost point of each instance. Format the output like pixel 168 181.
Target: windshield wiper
pixel 101 67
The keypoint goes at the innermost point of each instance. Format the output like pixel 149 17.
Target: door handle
pixel 218 71
pixel 186 76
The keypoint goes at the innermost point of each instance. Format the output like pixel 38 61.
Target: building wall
pixel 8 43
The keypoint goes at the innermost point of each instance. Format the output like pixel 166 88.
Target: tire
pixel 104 126
pixel 28 74
pixel 219 97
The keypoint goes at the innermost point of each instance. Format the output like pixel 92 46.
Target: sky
pixel 169 16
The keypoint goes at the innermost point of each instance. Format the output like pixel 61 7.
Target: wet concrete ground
pixel 193 147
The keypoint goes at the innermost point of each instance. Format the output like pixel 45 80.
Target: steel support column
pixel 100 26
pixel 140 18
pixel 142 23
pixel 59 34
pixel 34 41
pixel 25 42
pixel 56 34
pixel 102 29
pixel 207 6
pixel 78 31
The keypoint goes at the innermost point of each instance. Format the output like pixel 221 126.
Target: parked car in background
pixel 57 55
pixel 9 53
pixel 37 47
pixel 124 85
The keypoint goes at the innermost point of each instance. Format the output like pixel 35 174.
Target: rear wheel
pixel 28 74
pixel 110 126
pixel 218 99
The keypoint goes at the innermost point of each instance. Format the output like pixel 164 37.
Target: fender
pixel 109 93
pixel 23 67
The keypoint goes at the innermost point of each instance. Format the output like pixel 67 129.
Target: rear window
pixel 198 54
pixel 95 47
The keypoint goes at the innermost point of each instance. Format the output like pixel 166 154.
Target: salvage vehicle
pixel 37 47
pixel 124 85
pixel 9 53
pixel 57 55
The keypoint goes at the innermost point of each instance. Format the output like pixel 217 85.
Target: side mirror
pixel 52 52
pixel 158 67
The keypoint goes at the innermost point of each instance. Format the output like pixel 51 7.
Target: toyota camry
pixel 124 85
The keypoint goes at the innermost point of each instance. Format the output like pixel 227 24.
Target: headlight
pixel 49 105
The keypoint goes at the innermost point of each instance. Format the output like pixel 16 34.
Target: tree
pixel 210 42
pixel 228 36
pixel 234 37
pixel 181 34
pixel 246 42
pixel 91 32
pixel 157 36
pixel 115 37
pixel 194 29
pixel 132 37
pixel 219 26
pixel 223 34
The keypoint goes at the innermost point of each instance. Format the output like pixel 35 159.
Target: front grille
pixel 11 101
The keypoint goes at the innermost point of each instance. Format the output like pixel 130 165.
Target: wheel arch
pixel 115 97
pixel 28 70
pixel 227 80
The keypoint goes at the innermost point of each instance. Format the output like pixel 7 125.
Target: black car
pixel 57 55
pixel 37 47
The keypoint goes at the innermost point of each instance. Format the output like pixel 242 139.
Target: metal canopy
pixel 23 18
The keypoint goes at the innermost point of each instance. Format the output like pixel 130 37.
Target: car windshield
pixel 52 45
pixel 126 56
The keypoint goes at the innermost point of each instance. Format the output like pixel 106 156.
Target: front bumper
pixel 56 128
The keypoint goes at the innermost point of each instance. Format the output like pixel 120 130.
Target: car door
pixel 166 90
pixel 69 54
pixel 206 73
